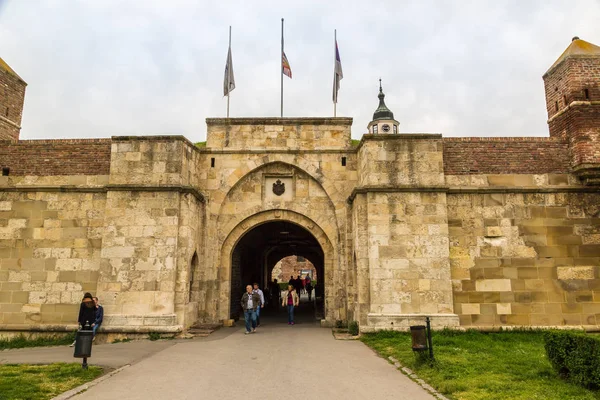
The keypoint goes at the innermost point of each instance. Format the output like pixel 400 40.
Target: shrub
pixel 353 328
pixel 575 356
pixel 340 324
pixel 154 336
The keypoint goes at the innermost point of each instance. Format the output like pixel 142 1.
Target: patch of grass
pixel 154 336
pixel 200 144
pixel 39 382
pixel 22 341
pixel 355 142
pixel 475 366
pixel 125 340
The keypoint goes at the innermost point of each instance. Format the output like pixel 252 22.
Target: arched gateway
pixel 254 246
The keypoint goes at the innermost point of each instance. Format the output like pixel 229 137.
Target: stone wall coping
pixel 155 138
pixel 523 189
pixel 102 189
pixel 345 121
pixel 395 189
pixel 572 105
pixel 469 190
pixel 398 136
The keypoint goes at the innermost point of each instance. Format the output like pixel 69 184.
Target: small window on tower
pixel 343 161
pixel 565 100
pixel 374 128
pixel 395 128
pixel 586 94
pixel 556 106
pixel 212 162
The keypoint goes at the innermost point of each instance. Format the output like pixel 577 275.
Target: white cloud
pixel 464 68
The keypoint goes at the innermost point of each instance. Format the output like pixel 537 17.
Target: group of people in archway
pixel 302 285
pixel 253 300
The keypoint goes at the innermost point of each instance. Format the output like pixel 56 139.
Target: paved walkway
pixel 278 361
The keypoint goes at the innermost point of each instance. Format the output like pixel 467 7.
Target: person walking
pixel 275 294
pixel 87 312
pixel 298 285
pixel 291 300
pixel 99 316
pixel 262 302
pixel 309 289
pixel 250 301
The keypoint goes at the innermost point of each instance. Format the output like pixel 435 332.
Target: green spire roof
pixel 382 111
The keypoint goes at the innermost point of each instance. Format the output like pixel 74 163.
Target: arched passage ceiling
pixel 283 238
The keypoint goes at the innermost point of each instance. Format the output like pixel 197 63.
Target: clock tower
pixel 383 119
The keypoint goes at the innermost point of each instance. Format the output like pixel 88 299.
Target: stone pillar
pixel 149 235
pixel 401 179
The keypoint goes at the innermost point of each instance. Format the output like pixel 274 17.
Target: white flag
pixel 337 73
pixel 229 81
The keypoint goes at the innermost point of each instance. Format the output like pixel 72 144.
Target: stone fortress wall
pixel 474 232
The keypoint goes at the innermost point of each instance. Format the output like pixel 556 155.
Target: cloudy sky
pixel 139 67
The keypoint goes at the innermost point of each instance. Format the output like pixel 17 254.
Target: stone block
pixel 493 285
pixel 503 308
pixel 471 309
pixel 582 272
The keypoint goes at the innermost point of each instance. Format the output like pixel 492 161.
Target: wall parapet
pixel 507 155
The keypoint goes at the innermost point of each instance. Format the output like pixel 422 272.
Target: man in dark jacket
pixel 250 301
pixel 99 316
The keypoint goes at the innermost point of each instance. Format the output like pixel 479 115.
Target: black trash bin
pixel 83 345
pixel 419 337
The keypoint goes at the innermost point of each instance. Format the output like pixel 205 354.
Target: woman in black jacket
pixel 87 311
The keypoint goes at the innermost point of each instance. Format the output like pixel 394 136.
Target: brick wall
pixel 56 157
pixel 12 96
pixel 464 156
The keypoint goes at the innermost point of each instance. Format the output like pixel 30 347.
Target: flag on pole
pixel 285 66
pixel 337 73
pixel 229 81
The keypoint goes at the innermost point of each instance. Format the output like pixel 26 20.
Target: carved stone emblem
pixel 279 187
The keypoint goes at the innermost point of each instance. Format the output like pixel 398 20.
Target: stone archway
pixel 332 300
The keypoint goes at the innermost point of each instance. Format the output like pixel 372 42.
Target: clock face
pixel 385 128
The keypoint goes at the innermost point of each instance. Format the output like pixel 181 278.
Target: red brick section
pixel 535 155
pixel 56 157
pixel 12 96
pixel 573 105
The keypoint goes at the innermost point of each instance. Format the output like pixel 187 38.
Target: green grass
pixel 473 365
pixel 355 142
pixel 21 341
pixel 200 144
pixel 38 382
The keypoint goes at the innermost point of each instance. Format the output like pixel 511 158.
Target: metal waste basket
pixel 419 337
pixel 83 345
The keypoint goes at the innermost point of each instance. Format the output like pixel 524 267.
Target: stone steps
pixel 202 330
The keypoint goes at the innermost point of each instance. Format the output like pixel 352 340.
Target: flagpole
pixel 281 67
pixel 334 74
pixel 228 91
